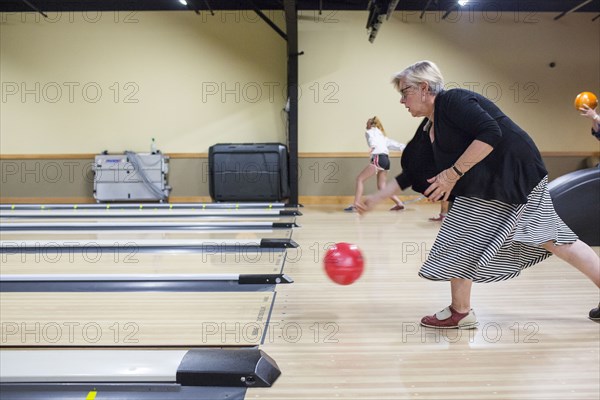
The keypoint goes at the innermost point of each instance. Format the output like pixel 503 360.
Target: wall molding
pixel 87 156
pixel 89 200
pixel 306 200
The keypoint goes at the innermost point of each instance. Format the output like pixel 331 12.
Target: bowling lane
pixel 152 206
pixel 208 219
pixel 134 319
pixel 141 226
pixel 132 235
pixel 131 261
pixel 144 213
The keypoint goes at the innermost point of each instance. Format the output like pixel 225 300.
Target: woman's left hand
pixel 588 112
pixel 441 185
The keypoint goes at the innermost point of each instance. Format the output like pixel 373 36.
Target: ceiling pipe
pixel 209 8
pixel 425 9
pixel 572 9
pixel 449 10
pixel 191 4
pixel 35 8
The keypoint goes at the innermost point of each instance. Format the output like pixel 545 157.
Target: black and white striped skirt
pixel 490 241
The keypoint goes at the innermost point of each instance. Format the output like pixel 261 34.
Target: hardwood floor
pixel 361 341
pixel 364 341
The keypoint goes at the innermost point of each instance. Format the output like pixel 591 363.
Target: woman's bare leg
pixel 580 256
pixel 461 294
pixel 365 174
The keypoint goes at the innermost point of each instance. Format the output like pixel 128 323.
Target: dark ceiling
pixel 558 6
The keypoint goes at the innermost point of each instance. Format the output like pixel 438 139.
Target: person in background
pixel 379 165
pixel 444 208
pixel 593 115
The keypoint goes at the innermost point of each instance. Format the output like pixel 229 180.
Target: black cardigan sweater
pixel 417 162
pixel 507 174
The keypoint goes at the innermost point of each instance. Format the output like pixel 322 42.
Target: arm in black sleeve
pixel 417 162
pixel 464 110
pixel 403 181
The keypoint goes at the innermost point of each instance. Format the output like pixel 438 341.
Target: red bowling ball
pixel 343 263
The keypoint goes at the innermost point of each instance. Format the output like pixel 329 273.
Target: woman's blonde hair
pixel 419 72
pixel 375 121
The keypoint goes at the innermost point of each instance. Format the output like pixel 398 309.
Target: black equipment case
pixel 248 172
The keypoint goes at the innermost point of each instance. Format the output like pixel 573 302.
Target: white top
pixel 381 144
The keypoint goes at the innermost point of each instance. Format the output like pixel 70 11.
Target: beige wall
pixel 504 56
pixel 191 81
pixel 85 82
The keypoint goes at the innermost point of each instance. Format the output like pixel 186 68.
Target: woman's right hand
pixel 366 205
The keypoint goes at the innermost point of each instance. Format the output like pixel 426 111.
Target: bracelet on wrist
pixel 458 171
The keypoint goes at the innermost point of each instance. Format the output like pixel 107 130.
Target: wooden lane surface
pixel 139 213
pixel 150 219
pixel 131 261
pixel 143 319
pixel 135 206
pixel 364 341
pixel 133 235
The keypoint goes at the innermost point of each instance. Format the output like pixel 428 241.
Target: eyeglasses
pixel 404 91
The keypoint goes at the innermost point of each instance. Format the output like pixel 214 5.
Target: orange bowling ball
pixel 587 98
pixel 343 263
